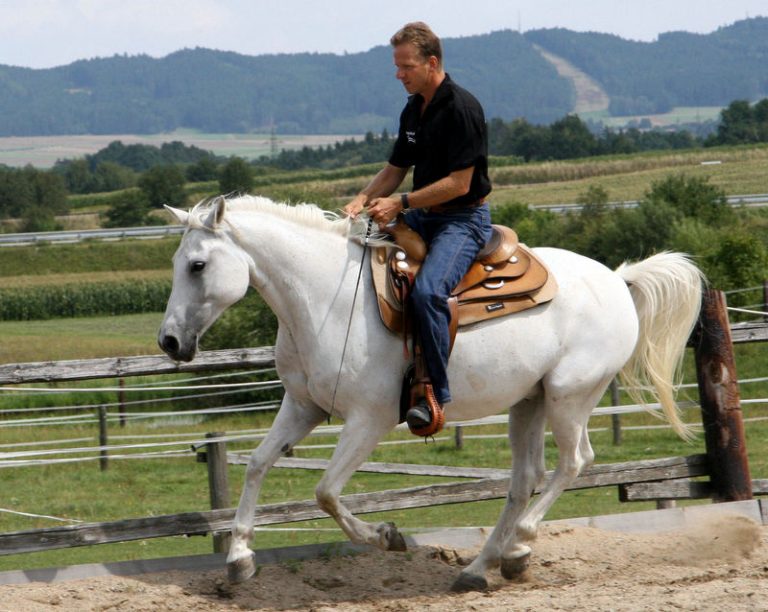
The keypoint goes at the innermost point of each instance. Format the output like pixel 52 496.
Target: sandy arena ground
pixel 721 564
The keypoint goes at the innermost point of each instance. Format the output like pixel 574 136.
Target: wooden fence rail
pixel 143 365
pixel 229 359
pixel 200 523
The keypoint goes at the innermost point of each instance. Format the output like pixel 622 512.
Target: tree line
pixel 680 212
pixel 145 177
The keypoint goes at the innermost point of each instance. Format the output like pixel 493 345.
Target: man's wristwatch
pixel 404 201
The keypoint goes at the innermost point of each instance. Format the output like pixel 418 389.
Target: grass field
pixel 79 338
pixel 35 280
pixel 44 151
pixel 740 171
pixel 676 116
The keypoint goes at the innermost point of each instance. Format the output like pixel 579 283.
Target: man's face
pixel 413 71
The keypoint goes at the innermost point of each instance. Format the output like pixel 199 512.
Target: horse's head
pixel 210 273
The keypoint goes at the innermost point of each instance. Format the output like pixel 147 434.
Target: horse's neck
pixel 300 272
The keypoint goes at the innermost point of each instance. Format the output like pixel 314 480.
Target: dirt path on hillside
pixel 721 564
pixel 590 96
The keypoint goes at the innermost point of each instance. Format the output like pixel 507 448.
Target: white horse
pixel 551 363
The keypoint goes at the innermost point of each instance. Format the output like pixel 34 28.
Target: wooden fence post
pixel 765 300
pixel 720 402
pixel 615 418
pixel 218 484
pixel 121 400
pixel 458 436
pixel 103 454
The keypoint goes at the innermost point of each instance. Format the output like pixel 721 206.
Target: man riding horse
pixel 443 136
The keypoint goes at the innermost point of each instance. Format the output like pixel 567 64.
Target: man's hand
pixel 384 183
pixel 356 205
pixel 384 210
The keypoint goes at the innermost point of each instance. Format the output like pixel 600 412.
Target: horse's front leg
pixel 293 422
pixel 357 440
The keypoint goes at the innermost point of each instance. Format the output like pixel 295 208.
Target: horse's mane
pixel 307 215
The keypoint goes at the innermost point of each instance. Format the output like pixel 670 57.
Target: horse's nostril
pixel 169 344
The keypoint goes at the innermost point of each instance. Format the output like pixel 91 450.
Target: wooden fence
pixel 200 523
pixel 724 462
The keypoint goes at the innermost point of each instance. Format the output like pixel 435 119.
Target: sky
pixel 47 33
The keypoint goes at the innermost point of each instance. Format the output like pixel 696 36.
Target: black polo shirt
pixel 451 135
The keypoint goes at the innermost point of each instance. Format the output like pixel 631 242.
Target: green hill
pixel 216 91
pixel 679 69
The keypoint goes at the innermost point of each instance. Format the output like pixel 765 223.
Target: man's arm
pixel 383 209
pixel 383 184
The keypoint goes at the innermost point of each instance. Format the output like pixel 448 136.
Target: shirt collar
pixel 443 90
pixel 442 93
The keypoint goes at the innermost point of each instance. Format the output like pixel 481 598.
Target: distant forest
pixel 678 69
pixel 216 91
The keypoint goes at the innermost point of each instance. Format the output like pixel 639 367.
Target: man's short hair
pixel 421 36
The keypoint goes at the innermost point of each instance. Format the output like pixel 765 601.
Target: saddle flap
pixel 482 310
pixel 516 265
pixel 509 280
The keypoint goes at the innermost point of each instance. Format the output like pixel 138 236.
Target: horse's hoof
pixel 469 582
pixel 515 567
pixel 241 569
pixel 394 539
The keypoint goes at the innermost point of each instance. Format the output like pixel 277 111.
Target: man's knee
pixel 420 300
pixel 425 298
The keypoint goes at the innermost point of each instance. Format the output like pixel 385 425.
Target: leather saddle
pixel 505 278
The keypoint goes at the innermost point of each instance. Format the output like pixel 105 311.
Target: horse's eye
pixel 197 266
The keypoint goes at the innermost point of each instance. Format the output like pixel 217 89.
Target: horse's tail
pixel 666 289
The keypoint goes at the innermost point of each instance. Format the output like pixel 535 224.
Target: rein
pixel 351 313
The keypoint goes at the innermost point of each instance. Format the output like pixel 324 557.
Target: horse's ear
pixel 182 216
pixel 218 208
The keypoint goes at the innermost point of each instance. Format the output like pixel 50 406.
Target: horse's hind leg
pixel 292 423
pixel 357 440
pixel 568 417
pixel 526 436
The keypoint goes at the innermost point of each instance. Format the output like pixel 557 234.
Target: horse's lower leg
pixel 526 436
pixel 292 423
pixel 568 419
pixel 356 442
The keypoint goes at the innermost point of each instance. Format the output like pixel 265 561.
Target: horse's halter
pixel 351 313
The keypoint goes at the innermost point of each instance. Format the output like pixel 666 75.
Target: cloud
pixel 53 32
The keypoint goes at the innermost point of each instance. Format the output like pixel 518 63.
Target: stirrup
pixel 437 416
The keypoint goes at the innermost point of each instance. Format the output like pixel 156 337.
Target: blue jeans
pixel 453 241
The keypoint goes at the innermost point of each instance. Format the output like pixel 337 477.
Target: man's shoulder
pixel 462 97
